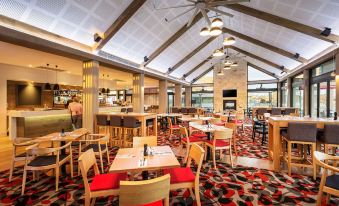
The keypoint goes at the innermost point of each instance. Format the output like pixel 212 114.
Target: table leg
pixel 155 126
pixel 144 175
pixel 143 126
pixel 276 147
pixel 63 152
pixel 208 154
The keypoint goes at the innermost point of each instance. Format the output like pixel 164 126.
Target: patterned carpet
pixel 226 186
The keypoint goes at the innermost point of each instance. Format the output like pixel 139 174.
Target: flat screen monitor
pixel 29 95
pixel 229 93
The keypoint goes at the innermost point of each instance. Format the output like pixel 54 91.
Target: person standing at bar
pixel 76 112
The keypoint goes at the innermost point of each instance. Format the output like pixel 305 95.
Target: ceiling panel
pixel 78 20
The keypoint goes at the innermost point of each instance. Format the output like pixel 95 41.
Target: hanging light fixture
pixel 228 63
pixel 217 22
pixel 218 53
pixel 103 90
pixel 47 86
pixel 56 85
pixel 227 67
pixel 204 31
pixel 220 73
pixel 229 41
pixel 235 64
pixel 215 31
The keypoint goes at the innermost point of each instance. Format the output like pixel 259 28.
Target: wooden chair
pixel 19 152
pixel 38 159
pixel 151 141
pixel 132 128
pixel 147 192
pixel 171 126
pixel 99 144
pixel 328 183
pixel 102 184
pixel 192 130
pixel 329 138
pixel 102 122
pixel 188 140
pixel 222 140
pixel 116 131
pixel 184 177
pixel 234 127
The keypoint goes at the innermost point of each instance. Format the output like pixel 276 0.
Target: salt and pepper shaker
pixel 145 150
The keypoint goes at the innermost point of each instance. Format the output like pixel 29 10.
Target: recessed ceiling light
pixel 30 65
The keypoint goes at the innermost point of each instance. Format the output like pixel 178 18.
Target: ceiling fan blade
pixel 206 17
pixel 183 13
pixel 219 11
pixel 173 7
pixel 192 18
pixel 223 3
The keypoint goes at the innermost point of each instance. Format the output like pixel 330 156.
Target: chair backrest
pixel 115 121
pixel 86 161
pixel 129 109
pixel 183 131
pixel 215 121
pixel 196 153
pixel 223 134
pixel 130 122
pixel 169 121
pixel 276 111
pixel 306 132
pixel 134 193
pixel 289 111
pixel 261 111
pixel 184 110
pixel 232 125
pixel 149 140
pixel 123 110
pixel 175 110
pixel 192 110
pixel 331 134
pixel 322 160
pixel 101 119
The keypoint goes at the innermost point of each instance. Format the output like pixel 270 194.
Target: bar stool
pixel 131 129
pixel 290 111
pixel 329 138
pixel 276 111
pixel 130 109
pixel 149 125
pixel 116 130
pixel 102 122
pixel 175 110
pixel 302 134
pixel 184 110
pixel 192 110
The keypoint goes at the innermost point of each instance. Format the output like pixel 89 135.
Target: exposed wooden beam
pixel 120 22
pixel 263 82
pixel 264 45
pixel 202 74
pixel 191 54
pixel 262 70
pixel 195 68
pixel 172 39
pixel 258 58
pixel 302 28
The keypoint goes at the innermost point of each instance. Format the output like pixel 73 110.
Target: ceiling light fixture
pixel 235 64
pixel 228 63
pixel 217 22
pixel 227 67
pixel 215 31
pixel 229 41
pixel 220 73
pixel 204 31
pixel 218 53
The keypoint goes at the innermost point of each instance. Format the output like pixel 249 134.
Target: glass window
pixel 262 95
pixel 323 68
pixel 203 97
pixel 207 78
pixel 283 89
pixel 262 86
pixel 254 75
pixel 332 102
pixel 314 100
pixel 322 99
pixel 298 98
pixel 298 79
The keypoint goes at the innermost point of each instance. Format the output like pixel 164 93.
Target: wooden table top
pixel 128 159
pixel 302 119
pixel 188 119
pixel 69 136
pixel 213 128
pixel 131 114
pixel 170 115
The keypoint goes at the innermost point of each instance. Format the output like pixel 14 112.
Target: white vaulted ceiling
pixel 147 29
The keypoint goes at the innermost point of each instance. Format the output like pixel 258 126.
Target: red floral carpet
pixel 226 186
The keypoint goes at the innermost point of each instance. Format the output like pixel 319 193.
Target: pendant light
pixel 228 63
pixel 220 73
pixel 56 85
pixel 235 64
pixel 218 53
pixel 215 31
pixel 217 22
pixel 227 67
pixel 204 31
pixel 103 90
pixel 229 41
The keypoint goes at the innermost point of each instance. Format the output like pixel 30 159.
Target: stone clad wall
pixel 235 78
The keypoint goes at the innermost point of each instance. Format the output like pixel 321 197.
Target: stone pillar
pixel 178 95
pixel 289 91
pixel 138 93
pixel 188 96
pixel 306 92
pixel 337 81
pixel 163 99
pixel 90 84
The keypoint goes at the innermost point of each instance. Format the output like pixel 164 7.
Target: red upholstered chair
pixel 189 140
pixel 171 126
pixel 154 192
pixel 222 140
pixel 102 184
pixel 184 177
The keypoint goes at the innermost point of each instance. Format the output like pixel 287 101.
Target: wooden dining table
pixel 133 160
pixel 67 137
pixel 190 119
pixel 274 138
pixel 142 117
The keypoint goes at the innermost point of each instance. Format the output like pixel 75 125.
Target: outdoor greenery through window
pixel 202 97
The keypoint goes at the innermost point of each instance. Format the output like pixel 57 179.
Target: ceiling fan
pixel 203 6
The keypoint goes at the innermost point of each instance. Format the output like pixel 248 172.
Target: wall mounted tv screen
pixel 229 93
pixel 29 95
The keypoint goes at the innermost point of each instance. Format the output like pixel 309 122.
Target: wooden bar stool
pixel 132 128
pixel 101 121
pixel 329 138
pixel 301 134
pixel 116 130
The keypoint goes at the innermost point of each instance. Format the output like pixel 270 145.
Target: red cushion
pixel 157 203
pixel 175 126
pixel 192 139
pixel 200 135
pixel 107 181
pixel 179 175
pixel 218 143
pixel 220 124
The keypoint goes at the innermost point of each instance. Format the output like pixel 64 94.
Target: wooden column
pixel 163 99
pixel 90 84
pixel 138 93
pixel 306 92
pixel 289 91
pixel 337 81
pixel 188 96
pixel 178 95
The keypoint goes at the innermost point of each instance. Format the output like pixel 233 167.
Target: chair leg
pixel 235 146
pixel 289 157
pixel 231 158
pixel 57 170
pixel 101 163
pixel 87 200
pixel 214 162
pixel 107 153
pixel 71 166
pixel 313 162
pixel 187 151
pixel 191 191
pixel 23 182
pixel 197 194
pixel 11 170
pixel 93 201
